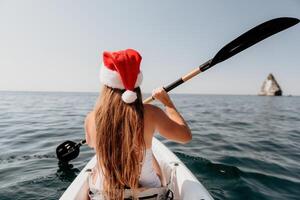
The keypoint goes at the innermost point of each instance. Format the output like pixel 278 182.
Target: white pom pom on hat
pixel 129 96
pixel 121 70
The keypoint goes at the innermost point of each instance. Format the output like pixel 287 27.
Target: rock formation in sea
pixel 270 87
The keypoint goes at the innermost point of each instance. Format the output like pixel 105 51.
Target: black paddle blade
pixel 67 151
pixel 253 36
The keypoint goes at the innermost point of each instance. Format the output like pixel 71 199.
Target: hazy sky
pixel 57 45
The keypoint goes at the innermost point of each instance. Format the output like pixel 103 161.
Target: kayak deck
pixel 187 187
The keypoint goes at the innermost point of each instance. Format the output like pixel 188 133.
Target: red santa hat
pixel 121 70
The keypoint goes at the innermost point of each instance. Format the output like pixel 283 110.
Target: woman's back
pixel 149 130
pixel 149 126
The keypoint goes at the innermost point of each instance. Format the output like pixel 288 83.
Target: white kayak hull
pixel 186 186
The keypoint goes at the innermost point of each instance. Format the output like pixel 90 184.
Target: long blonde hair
pixel 120 144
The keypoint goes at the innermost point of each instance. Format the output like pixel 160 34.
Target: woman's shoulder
pixel 90 117
pixel 151 110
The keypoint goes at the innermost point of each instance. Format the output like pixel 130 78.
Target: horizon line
pixel 176 93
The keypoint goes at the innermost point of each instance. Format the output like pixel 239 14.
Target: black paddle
pixel 70 150
pixel 244 41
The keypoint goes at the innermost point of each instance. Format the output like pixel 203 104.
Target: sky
pixel 55 45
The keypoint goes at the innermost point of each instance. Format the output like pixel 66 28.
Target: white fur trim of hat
pixel 112 79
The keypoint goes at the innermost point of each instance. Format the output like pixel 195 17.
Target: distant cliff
pixel 270 87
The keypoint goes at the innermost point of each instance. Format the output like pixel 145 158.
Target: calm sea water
pixel 243 147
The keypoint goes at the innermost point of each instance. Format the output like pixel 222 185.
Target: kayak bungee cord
pixel 69 150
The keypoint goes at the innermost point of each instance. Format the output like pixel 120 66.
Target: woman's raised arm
pixel 170 124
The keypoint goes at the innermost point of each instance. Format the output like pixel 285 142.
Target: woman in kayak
pixel 121 128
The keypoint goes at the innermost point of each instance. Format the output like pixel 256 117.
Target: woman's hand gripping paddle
pixel 69 150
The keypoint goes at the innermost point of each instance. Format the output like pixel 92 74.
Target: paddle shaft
pixel 205 66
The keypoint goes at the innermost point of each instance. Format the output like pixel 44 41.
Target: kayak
pixel 185 184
